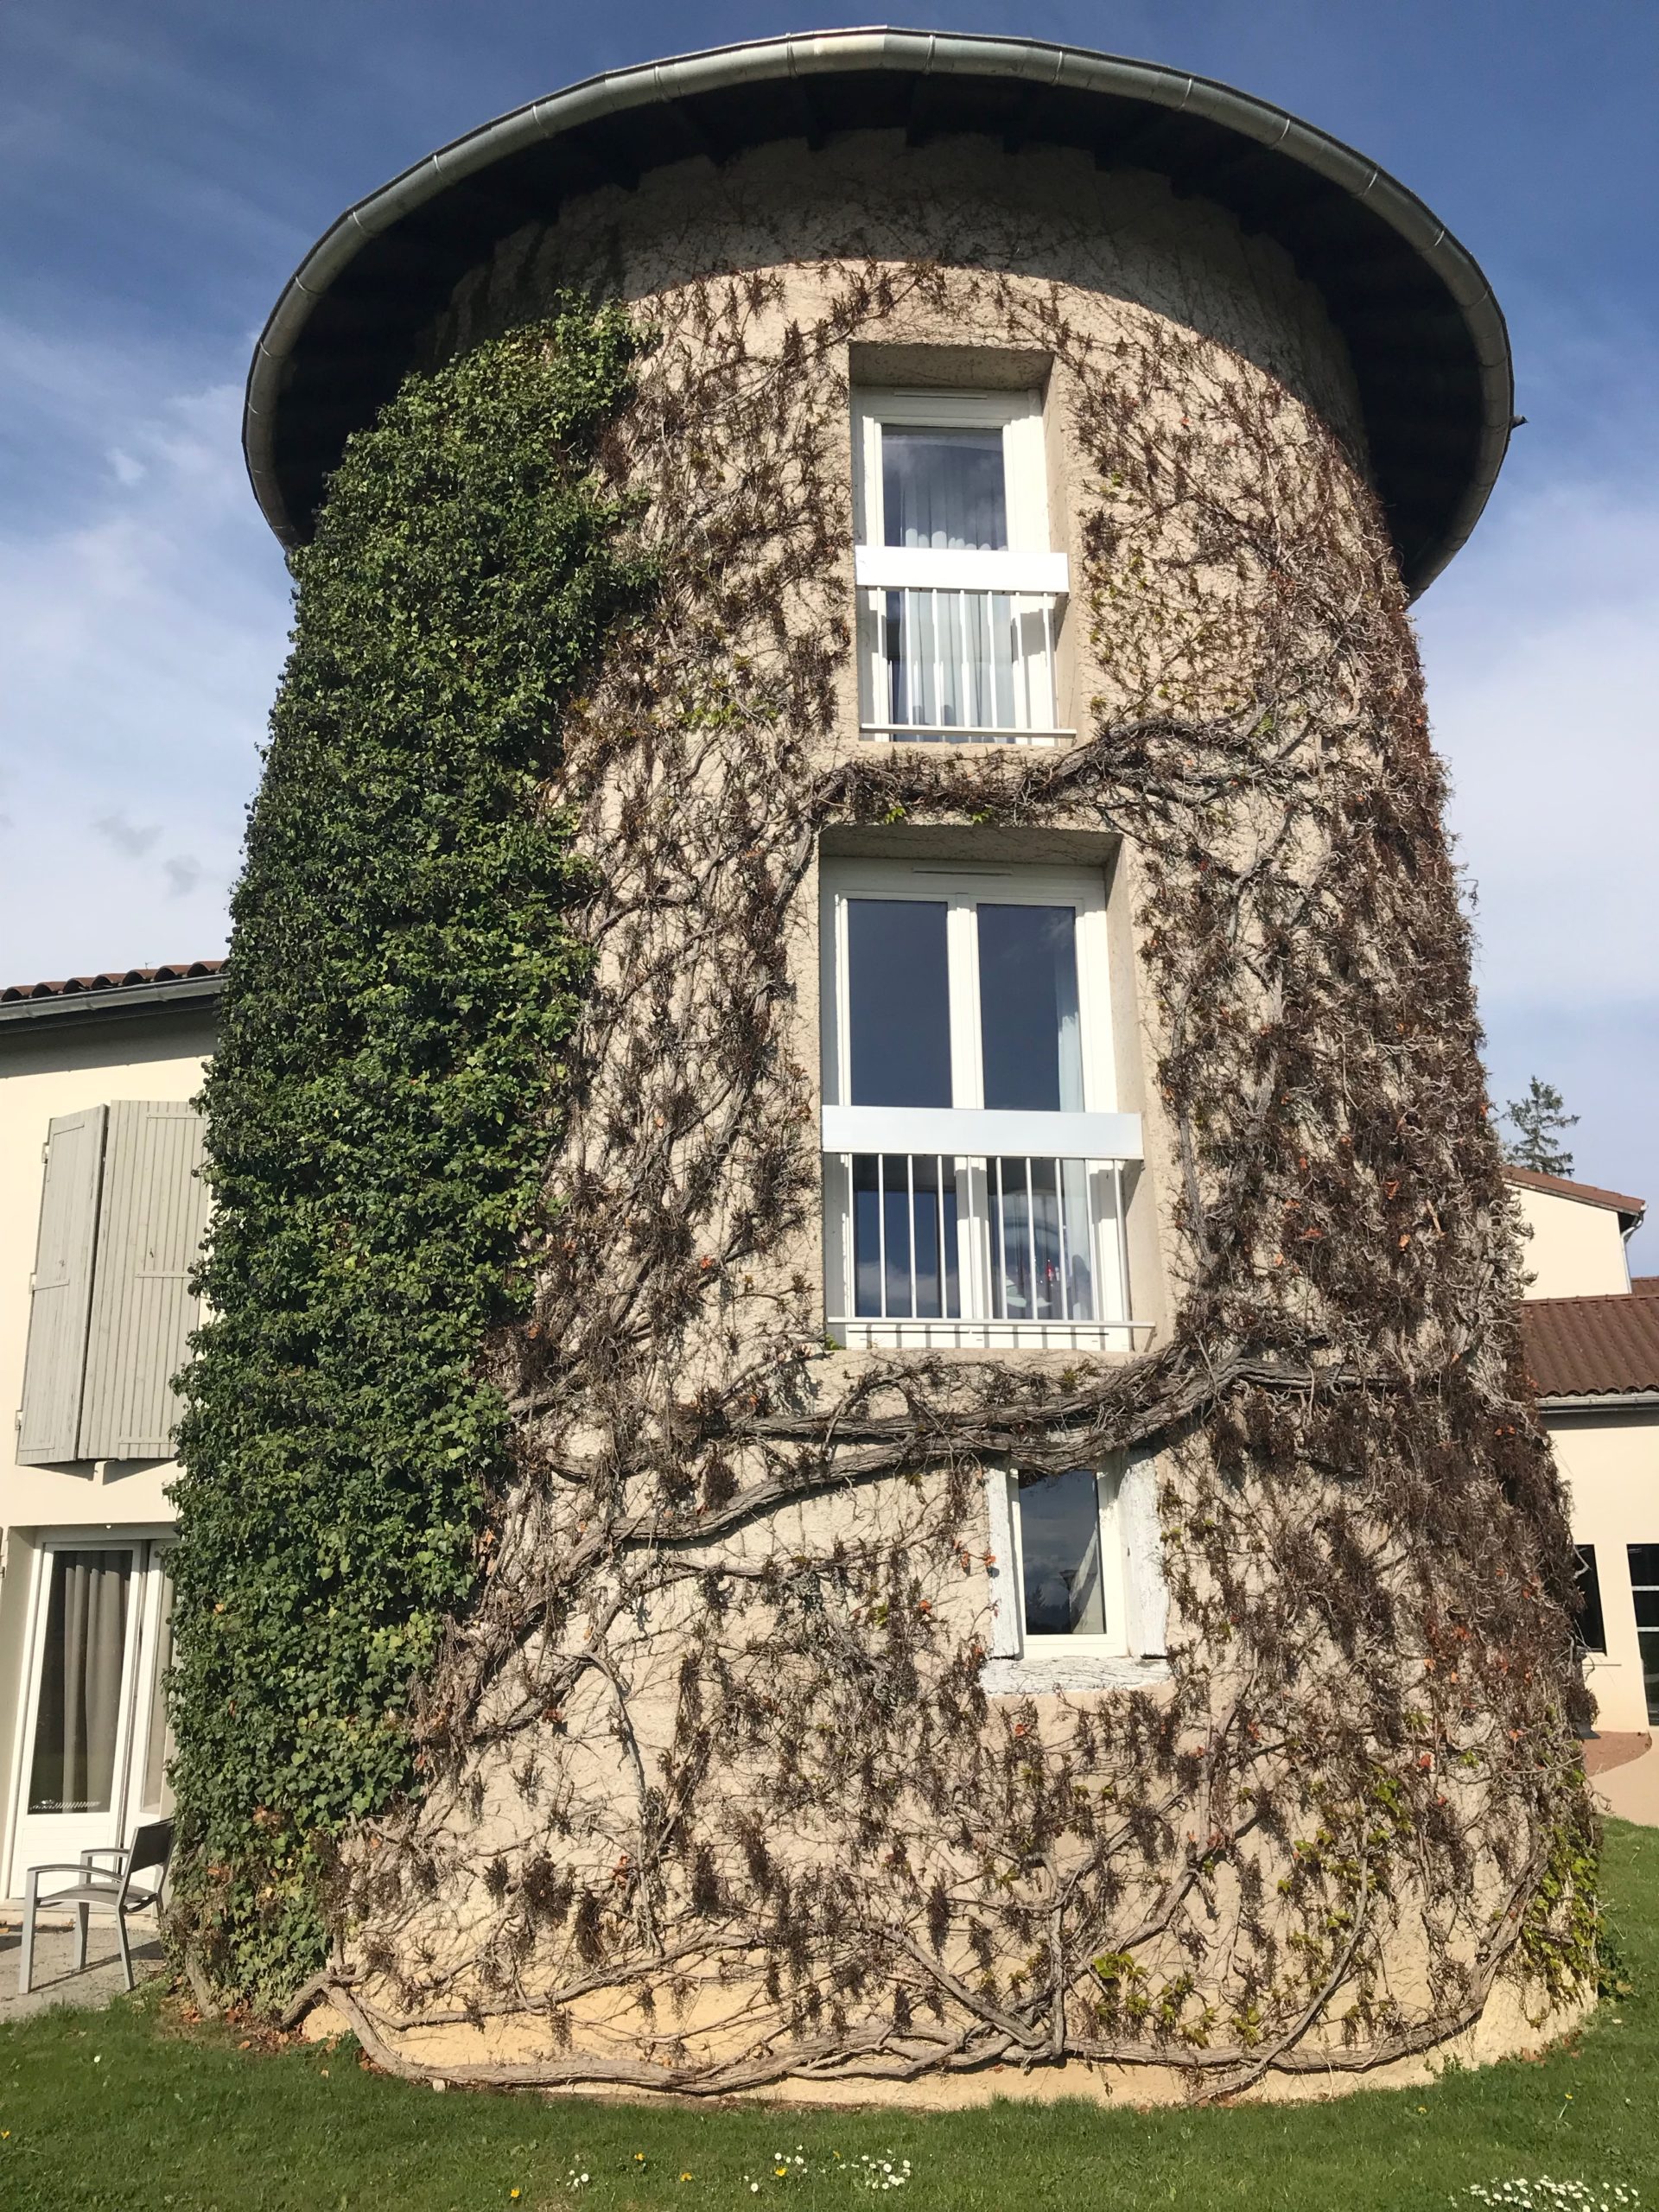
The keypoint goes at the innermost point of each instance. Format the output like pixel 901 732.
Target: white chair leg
pixel 26 1959
pixel 81 1917
pixel 121 1938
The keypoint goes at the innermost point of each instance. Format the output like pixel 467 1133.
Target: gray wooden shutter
pixel 148 1234
pixel 61 1293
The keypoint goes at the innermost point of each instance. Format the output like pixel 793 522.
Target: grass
pixel 126 2108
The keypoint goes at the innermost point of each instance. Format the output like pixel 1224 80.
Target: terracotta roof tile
pixel 111 979
pixel 1588 1194
pixel 1591 1347
pixel 1644 1285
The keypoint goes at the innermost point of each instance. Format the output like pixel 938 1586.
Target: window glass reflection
pixel 1030 1041
pixel 898 1002
pixel 944 489
pixel 83 1671
pixel 1060 1543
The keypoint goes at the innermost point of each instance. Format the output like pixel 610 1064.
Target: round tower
pixel 1019 1550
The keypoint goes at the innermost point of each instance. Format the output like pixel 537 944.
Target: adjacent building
pixel 1593 1344
pixel 101 1212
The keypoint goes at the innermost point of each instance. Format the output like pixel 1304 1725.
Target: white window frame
pixel 966 1129
pixel 1134 1651
pixel 1018 415
pixel 1028 567
pixel 32 1836
pixel 1114 1579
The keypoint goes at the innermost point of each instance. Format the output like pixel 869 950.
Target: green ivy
pixel 1564 1941
pixel 403 973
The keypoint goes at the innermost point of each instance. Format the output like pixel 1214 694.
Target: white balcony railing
pixel 959 646
pixel 949 1228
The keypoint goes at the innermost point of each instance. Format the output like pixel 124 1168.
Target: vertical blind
pixel 945 489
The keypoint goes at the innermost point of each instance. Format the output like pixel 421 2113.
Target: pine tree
pixel 1538 1121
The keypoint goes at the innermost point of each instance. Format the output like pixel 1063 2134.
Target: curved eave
pixel 1427 340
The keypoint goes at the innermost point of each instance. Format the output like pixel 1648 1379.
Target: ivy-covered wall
pixel 717 1795
pixel 649 1732
pixel 387 1090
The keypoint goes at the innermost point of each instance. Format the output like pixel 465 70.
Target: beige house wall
pixel 1572 1249
pixel 48 1068
pixel 1609 1459
pixel 1610 1464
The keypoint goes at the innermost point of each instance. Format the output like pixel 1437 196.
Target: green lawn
pixel 124 2109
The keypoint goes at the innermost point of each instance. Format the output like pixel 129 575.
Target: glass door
pixel 97 1616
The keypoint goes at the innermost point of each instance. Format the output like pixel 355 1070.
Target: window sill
pixel 953 733
pixel 1031 1675
pixel 985 1336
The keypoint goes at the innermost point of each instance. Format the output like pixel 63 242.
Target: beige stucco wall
pixel 1610 1464
pixel 1112 237
pixel 1572 1249
pixel 47 1069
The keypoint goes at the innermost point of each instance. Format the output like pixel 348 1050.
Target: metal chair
pixel 100 1889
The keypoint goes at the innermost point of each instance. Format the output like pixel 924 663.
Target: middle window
pixel 974 1158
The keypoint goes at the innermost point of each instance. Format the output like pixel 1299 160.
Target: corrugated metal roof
pixel 1591 1347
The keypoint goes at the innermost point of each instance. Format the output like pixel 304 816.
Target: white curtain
pixel 944 489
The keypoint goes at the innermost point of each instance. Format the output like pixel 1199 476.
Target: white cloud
pixel 1544 689
pixel 142 625
pixel 1541 646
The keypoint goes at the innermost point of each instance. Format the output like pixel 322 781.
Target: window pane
pixel 1644 1581
pixel 944 489
pixel 898 1002
pixel 951 658
pixel 867 1233
pixel 1059 1542
pixel 158 1738
pixel 905 1219
pixel 1589 1629
pixel 1029 1036
pixel 78 1715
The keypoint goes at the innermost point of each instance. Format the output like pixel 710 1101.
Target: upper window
pixel 974 1159
pixel 960 594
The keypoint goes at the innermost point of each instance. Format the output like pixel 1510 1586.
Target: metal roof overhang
pixel 1427 340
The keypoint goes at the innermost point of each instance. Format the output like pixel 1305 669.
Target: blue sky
pixel 164 167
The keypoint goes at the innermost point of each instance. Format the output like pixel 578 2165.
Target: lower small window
pixel 1588 1630
pixel 1070 1562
